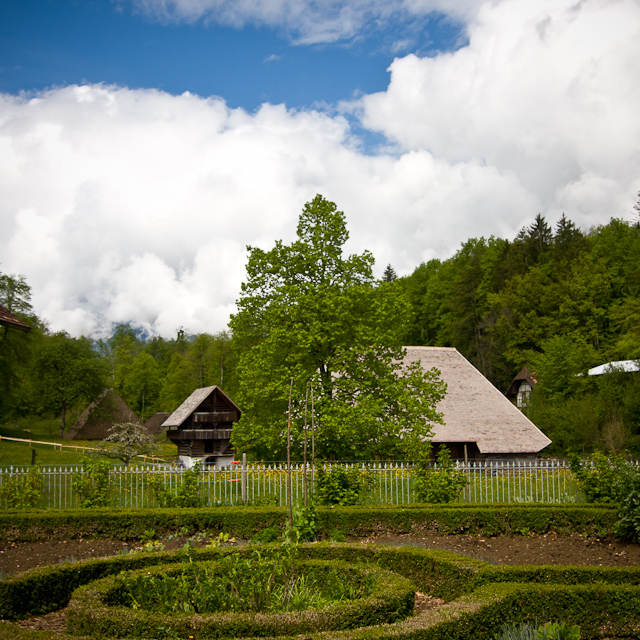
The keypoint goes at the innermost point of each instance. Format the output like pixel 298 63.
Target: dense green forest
pixel 559 300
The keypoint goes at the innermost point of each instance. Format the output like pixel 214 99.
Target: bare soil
pixel 534 549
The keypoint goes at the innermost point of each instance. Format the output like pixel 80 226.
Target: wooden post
pixel 289 491
pixel 466 470
pixel 304 454
pixel 313 444
pixel 33 457
pixel 243 478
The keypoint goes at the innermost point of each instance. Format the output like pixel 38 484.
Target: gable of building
pixel 474 411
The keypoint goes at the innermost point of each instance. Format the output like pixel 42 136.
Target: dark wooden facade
pixel 201 427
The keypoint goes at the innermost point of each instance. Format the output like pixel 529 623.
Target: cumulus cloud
pixel 546 89
pixel 134 205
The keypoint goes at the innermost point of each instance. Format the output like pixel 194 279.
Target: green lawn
pixel 19 453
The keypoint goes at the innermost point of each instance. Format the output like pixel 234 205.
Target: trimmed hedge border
pixel 245 522
pixel 392 600
pixel 480 597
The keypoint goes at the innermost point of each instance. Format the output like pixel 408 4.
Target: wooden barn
pixel 96 420
pixel 7 319
pixel 201 427
pixel 480 423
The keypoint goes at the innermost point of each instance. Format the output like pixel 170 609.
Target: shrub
pixel 185 495
pixel 305 524
pixel 21 491
pixel 440 484
pixel 558 631
pixel 92 484
pixel 602 477
pixel 340 485
pixel 628 524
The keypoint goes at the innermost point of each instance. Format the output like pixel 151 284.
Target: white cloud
pixel 308 21
pixel 129 205
pixel 547 89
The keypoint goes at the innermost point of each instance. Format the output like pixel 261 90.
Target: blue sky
pixel 46 43
pixel 145 143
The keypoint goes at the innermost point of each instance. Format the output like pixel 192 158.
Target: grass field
pixel 46 430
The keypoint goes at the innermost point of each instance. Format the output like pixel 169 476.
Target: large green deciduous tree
pixel 310 314
pixel 68 370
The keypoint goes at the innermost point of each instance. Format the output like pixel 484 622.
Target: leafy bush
pixel 305 524
pixel 602 477
pixel 185 495
pixel 628 524
pixel 340 485
pixel 558 631
pixel 21 491
pixel 440 484
pixel 92 484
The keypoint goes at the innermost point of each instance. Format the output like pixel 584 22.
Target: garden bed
pixel 549 548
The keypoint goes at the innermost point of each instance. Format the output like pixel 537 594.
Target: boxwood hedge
pixel 90 613
pixel 245 522
pixel 480 597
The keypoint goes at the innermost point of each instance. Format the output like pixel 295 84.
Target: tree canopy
pixel 308 313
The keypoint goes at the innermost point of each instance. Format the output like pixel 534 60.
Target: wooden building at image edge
pixel 477 416
pixel 201 427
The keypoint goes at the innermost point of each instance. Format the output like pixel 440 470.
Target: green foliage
pixel 439 483
pixel 603 478
pixel 266 535
pixel 525 631
pixel 564 300
pixel 266 580
pixel 68 370
pixel 310 314
pixel 250 580
pixel 21 491
pixel 480 597
pixel 246 522
pixel 126 441
pixel 628 524
pixel 305 524
pixel 340 485
pixel 142 384
pixel 92 484
pixel 186 494
pixel 558 631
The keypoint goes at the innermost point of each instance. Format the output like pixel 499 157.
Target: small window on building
pixel 522 399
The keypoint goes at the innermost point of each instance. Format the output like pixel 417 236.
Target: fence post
pixel 243 478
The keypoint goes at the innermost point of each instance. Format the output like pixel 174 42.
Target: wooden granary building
pixel 201 427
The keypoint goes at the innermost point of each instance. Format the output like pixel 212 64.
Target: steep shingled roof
pixel 192 403
pixel 7 319
pixel 474 410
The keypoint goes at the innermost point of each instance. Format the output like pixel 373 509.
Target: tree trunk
pixel 63 418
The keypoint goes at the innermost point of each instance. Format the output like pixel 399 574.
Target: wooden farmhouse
pixel 480 423
pixel 7 319
pixel 201 427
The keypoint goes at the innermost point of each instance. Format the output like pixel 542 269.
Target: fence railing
pixel 544 481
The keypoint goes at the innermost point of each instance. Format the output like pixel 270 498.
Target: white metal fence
pixel 544 481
